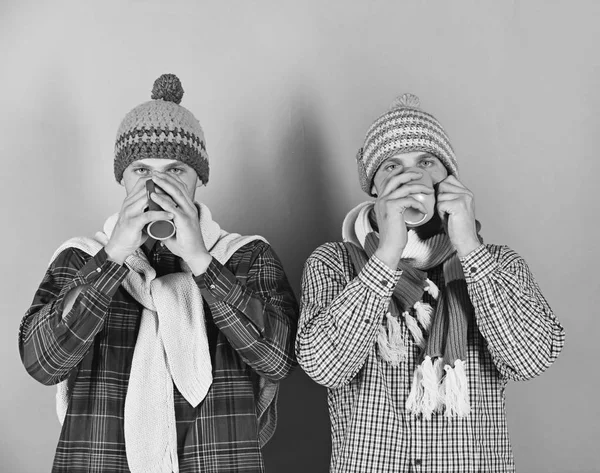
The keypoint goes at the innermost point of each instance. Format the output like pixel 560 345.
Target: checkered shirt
pixel 515 337
pixel 251 315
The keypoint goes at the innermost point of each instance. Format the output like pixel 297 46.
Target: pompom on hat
pixel 402 129
pixel 161 128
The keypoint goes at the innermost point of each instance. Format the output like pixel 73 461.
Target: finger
pixel 152 216
pixel 448 196
pixel 406 202
pixel 445 188
pixel 395 172
pixel 167 203
pixel 135 206
pixel 174 177
pixel 397 179
pixel 175 189
pixel 409 189
pixel 451 179
pixel 138 188
pixel 449 207
pixel 175 180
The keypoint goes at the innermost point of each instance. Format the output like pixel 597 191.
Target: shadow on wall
pixel 302 440
pixel 284 195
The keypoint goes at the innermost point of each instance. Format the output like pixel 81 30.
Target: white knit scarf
pixel 171 347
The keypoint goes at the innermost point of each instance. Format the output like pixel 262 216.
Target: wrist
pixel 114 255
pixel 464 248
pixel 199 263
pixel 391 258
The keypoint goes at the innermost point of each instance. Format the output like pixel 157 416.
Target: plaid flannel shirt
pixel 251 315
pixel 515 336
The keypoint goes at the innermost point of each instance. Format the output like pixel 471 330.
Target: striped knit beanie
pixel 161 128
pixel 402 129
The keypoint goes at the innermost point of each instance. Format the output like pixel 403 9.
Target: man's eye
pixel 426 163
pixel 140 171
pixel 390 167
pixel 176 170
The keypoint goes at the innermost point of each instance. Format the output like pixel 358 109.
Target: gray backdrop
pixel 285 91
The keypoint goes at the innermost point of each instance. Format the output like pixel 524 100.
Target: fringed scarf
pixel 439 381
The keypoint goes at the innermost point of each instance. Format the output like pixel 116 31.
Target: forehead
pixel 158 163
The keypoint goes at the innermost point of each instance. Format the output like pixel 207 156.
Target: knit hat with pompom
pixel 402 129
pixel 161 128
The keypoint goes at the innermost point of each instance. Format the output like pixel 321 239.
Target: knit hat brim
pixel 402 129
pixel 184 154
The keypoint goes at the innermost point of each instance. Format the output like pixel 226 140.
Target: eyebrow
pixel 139 164
pixel 424 154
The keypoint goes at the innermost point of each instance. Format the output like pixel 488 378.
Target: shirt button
pixel 418 462
pixel 473 269
pixel 212 286
pixel 367 321
pixel 384 282
pixel 98 270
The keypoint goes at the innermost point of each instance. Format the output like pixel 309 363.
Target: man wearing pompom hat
pixel 167 354
pixel 412 323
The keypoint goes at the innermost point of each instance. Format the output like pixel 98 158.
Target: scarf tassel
pixel 432 289
pixel 425 394
pixel 456 391
pixel 424 312
pixel 414 329
pixel 415 398
pixel 390 343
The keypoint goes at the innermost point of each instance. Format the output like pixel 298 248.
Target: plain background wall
pixel 285 92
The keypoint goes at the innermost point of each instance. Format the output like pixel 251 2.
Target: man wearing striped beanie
pixel 167 354
pixel 415 329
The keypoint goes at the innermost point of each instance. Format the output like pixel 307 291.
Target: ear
pixel 199 183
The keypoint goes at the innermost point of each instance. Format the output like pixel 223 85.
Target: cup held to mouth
pixel 160 229
pixel 414 217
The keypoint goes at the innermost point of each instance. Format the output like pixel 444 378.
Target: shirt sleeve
pixel 256 312
pixel 339 316
pixel 51 343
pixel 523 335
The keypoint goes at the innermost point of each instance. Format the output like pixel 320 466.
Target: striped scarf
pixel 439 381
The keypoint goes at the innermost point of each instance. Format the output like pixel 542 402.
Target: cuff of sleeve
pixel 478 264
pixel 104 275
pixel 380 278
pixel 217 282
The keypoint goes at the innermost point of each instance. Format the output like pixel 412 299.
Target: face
pixel 145 168
pixel 413 159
